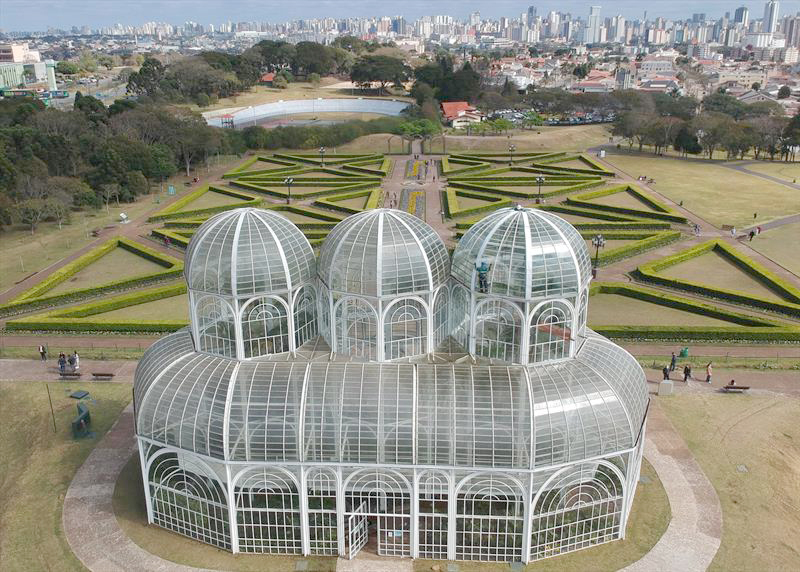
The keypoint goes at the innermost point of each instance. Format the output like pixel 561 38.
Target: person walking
pixel 62 362
pixel 752 234
pixel 76 361
pixel 665 371
pixel 43 353
pixel 709 371
pixel 673 362
pixel 687 373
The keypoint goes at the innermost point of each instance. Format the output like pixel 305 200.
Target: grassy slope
pixel 761 515
pixel 38 465
pixel 780 245
pixel 718 194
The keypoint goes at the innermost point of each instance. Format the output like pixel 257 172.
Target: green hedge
pixel 644 242
pixel 280 189
pixel 172 267
pixel 689 333
pixel 331 202
pixel 534 192
pixel 72 319
pixel 599 215
pixel 662 211
pixel 679 303
pixel 452 210
pixel 237 171
pixel 174 210
pixel 324 218
pixel 448 170
pixel 650 273
pixel 177 239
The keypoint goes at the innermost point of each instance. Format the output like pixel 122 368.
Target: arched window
pixel 305 316
pixel 584 311
pixel 268 512
pixel 323 531
pixel 405 329
pixel 356 328
pixel 265 327
pixel 216 327
pixel 440 311
pixel 459 316
pixel 434 496
pixel 551 331
pixel 498 331
pixel 579 507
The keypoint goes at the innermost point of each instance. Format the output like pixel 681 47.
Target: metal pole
pixel 52 413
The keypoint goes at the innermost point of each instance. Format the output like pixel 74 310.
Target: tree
pixel 380 69
pixel 314 79
pixel 686 142
pixel 726 104
pixel 279 82
pixel 711 130
pixel 756 86
pixel 147 81
pixel 67 68
pixel 784 92
pixel 87 61
pixel 311 57
pixel 350 43
pixel 31 207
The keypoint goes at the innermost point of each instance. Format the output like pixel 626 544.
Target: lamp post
pixel 540 182
pixel 288 182
pixel 598 242
pixel 511 149
pixel 322 155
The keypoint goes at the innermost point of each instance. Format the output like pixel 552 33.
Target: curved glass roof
pixel 312 409
pixel 530 254
pixel 383 252
pixel 246 252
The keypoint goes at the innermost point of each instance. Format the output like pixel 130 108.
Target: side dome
pixel 383 252
pixel 528 254
pixel 246 252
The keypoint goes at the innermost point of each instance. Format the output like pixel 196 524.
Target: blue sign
pixel 171 190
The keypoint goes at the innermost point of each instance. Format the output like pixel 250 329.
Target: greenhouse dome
pixel 453 455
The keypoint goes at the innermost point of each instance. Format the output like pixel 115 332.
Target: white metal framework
pixel 257 435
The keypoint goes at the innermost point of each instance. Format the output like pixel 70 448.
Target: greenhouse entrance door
pixel 358 530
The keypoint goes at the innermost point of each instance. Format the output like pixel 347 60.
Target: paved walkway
pixel 34 370
pixel 695 531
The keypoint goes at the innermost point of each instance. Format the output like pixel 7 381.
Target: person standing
pixel 709 371
pixel 665 371
pixel 673 362
pixel 687 373
pixel 71 362
pixel 43 353
pixel 76 361
pixel 62 362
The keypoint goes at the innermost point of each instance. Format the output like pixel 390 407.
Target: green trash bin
pixel 684 352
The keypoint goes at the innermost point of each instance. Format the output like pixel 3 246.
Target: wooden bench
pixel 100 375
pixel 735 388
pixel 80 425
pixel 70 375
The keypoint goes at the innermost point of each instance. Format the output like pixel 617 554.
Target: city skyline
pixel 27 15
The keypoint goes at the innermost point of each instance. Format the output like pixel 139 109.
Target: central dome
pixel 383 252
pixel 526 253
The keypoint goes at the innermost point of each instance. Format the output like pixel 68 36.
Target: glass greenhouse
pixel 462 413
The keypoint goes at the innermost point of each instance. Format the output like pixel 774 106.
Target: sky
pixel 34 15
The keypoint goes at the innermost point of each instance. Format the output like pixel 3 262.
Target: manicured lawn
pixel 786 171
pixel 749 448
pixel 211 200
pixel 116 265
pixel 715 270
pixel 648 521
pixel 616 310
pixel 37 466
pixel 718 194
pixel 129 506
pixel 578 138
pixel 624 200
pixel 780 245
pixel 168 309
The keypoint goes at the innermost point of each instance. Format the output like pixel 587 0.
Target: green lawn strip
pixel 648 520
pixel 651 272
pixel 178 208
pixel 178 238
pixel 641 242
pixel 591 168
pixel 334 202
pixel 748 448
pixel 750 328
pixel 37 297
pixel 304 189
pixel 587 212
pixel 660 210
pixel 326 220
pixel 88 317
pixel 313 175
pixel 454 167
pixel 522 189
pixel 39 464
pixel 452 208
pixel 329 158
pixel 379 168
pixel 254 162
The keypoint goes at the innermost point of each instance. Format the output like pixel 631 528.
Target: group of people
pixel 687 370
pixel 645 179
pixel 73 360
pixel 754 232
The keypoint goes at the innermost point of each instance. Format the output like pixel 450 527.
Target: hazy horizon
pixel 38 15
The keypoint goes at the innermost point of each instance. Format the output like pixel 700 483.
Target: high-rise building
pixel 531 14
pixel 474 18
pixel 592 30
pixel 771 9
pixel 742 16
